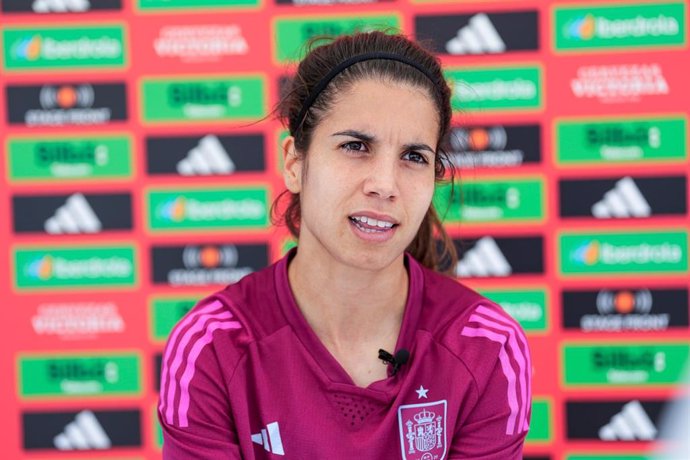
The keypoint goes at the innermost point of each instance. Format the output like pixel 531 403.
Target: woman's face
pixel 367 179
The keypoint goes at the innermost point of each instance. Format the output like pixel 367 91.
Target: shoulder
pixel 228 320
pixel 475 329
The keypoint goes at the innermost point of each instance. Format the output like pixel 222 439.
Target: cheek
pixel 425 192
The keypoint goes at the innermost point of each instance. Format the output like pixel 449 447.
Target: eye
pixel 354 146
pixel 415 157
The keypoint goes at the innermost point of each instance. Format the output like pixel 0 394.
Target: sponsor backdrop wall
pixel 137 170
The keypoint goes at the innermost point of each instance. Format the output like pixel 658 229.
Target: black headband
pixel 321 85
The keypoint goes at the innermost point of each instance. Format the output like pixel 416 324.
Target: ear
pixel 292 166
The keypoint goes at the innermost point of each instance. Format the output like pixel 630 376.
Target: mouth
pixel 371 225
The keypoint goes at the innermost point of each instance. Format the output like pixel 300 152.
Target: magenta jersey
pixel 244 376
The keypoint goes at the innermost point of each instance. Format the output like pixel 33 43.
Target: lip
pixel 376 236
pixel 375 215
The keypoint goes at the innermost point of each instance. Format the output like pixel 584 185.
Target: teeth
pixel 373 222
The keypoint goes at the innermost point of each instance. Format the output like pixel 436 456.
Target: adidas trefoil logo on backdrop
pixel 478 37
pixel 83 433
pixel 209 157
pixel 631 424
pixel 484 259
pixel 60 6
pixel 75 216
pixel 624 200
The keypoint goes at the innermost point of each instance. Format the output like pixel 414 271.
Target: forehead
pixel 384 106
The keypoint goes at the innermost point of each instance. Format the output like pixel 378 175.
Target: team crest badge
pixel 423 430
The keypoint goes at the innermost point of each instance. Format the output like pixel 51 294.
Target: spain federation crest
pixel 423 430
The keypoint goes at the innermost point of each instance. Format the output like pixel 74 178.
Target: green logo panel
pixel 166 312
pixel 621 140
pixel 619 26
pixel 184 4
pixel 157 430
pixel 292 34
pixel 207 99
pixel 70 158
pixel 634 252
pixel 541 422
pixel 495 89
pixel 491 201
pixel 88 267
pixel 79 375
pixel 76 47
pixel 527 307
pixel 605 457
pixel 231 208
pixel 624 364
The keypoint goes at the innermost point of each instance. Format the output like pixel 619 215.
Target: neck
pixel 346 305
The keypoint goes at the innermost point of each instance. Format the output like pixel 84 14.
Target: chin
pixel 372 260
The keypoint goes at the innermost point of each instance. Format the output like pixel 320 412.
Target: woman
pixel 286 362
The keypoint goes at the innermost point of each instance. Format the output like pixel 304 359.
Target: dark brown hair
pixel 432 246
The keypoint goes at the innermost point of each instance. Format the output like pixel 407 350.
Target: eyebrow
pixel 369 138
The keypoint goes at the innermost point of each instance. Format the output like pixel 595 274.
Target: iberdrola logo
pixel 28 49
pixel 40 268
pixel 582 28
pixel 587 253
pixel 173 209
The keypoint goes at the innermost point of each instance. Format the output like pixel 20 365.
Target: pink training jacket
pixel 245 377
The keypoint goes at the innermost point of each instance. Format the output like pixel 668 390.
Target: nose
pixel 382 178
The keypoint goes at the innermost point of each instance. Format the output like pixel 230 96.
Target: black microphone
pixel 401 357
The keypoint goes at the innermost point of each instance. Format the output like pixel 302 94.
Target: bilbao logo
pixel 625 310
pixel 69 104
pixel 480 33
pixel 612 26
pixel 291 34
pixel 495 146
pixel 56 158
pixel 78 320
pixel 613 421
pixel 79 375
pixel 208 264
pixel 230 98
pixel 624 363
pixel 620 140
pixel 72 214
pixel 85 429
pixel 208 155
pixel 499 256
pixel 59 6
pixel 627 197
pixel 492 200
